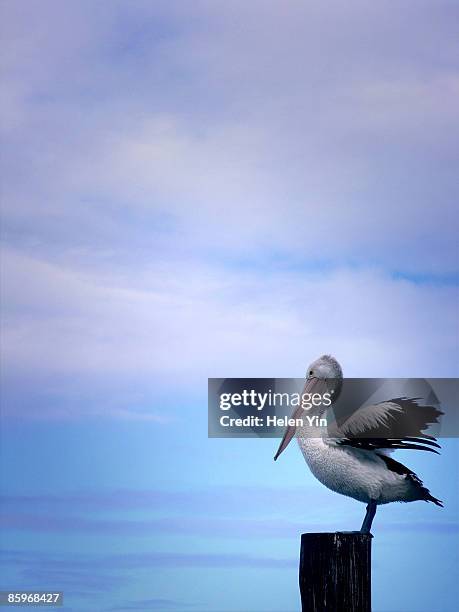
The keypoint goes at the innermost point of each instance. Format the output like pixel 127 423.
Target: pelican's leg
pixel 369 516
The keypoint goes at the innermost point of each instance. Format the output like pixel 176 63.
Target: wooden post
pixel 335 572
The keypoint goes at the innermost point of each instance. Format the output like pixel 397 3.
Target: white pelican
pixel 360 467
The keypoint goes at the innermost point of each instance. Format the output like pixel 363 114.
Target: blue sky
pixel 216 189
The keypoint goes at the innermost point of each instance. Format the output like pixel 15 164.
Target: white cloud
pixel 255 129
pixel 188 322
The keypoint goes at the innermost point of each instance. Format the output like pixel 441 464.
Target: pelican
pixel 357 463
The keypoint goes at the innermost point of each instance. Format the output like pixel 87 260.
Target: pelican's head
pixel 324 375
pixel 327 374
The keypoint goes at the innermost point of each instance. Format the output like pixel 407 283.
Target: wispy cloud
pixel 220 512
pixel 90 579
pixel 204 527
pixel 82 575
pixel 184 526
pixel 225 500
pixel 131 560
pixel 113 347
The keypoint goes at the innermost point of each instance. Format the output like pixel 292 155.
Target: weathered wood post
pixel 335 572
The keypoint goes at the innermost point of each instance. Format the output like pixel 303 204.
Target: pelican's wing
pixel 397 423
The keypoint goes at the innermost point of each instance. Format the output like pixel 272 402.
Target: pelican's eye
pixel 311 372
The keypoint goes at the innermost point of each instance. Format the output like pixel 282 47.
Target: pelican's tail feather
pixel 418 490
pixel 430 498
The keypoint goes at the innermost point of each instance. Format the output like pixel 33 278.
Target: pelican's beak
pixel 311 383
